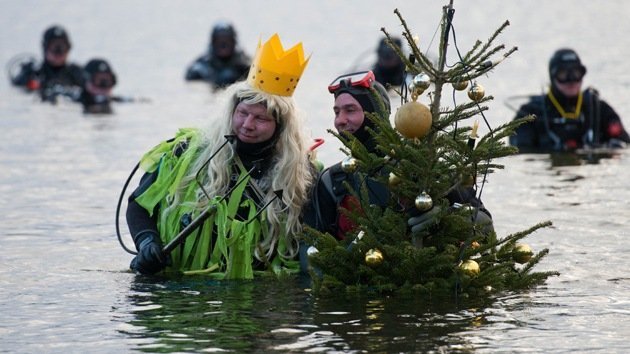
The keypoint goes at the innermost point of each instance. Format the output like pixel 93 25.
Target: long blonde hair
pixel 290 169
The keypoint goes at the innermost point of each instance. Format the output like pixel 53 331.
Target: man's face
pixel 252 124
pixel 57 52
pixel 349 115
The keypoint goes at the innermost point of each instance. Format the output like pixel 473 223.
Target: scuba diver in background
pixel 389 69
pixel 224 63
pixel 56 76
pixel 99 80
pixel 568 118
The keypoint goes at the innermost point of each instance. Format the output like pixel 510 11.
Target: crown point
pixel 276 68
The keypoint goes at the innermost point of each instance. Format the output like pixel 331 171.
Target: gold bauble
pixel 393 179
pixel 474 245
pixel 522 253
pixel 424 202
pixel 476 92
pixel 413 120
pixel 470 267
pixel 460 85
pixel 373 257
pixel 349 164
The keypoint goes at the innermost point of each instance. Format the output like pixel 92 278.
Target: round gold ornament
pixel 474 245
pixel 460 85
pixel 413 120
pixel 393 179
pixel 424 202
pixel 470 267
pixel 349 164
pixel 476 92
pixel 373 257
pixel 522 253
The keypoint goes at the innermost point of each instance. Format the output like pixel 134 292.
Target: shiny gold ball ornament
pixel 470 267
pixel 522 253
pixel 393 179
pixel 424 202
pixel 349 164
pixel 460 85
pixel 420 83
pixel 373 257
pixel 476 92
pixel 413 120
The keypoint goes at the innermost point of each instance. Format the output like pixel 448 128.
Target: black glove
pixel 150 258
pixel 424 220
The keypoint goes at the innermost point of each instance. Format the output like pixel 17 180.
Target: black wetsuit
pixel 51 81
pixel 597 124
pixel 256 158
pixel 392 76
pixel 220 72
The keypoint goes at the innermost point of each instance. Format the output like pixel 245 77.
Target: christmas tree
pixel 431 151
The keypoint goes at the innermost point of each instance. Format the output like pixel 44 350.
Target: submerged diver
pixel 224 63
pixel 56 76
pixel 568 118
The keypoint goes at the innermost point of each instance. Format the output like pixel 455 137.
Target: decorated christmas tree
pixel 433 149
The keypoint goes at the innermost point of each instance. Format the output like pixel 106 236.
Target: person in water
pixel 224 63
pixel 55 76
pixel 249 169
pixel 99 81
pixel 353 99
pixel 567 117
pixel 389 69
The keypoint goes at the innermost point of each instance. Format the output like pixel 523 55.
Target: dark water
pixel 64 284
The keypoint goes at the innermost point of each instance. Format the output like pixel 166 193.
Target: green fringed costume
pixel 223 247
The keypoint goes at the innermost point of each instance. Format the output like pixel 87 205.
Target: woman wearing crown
pixel 226 201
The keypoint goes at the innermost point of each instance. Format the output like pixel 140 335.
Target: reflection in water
pixel 197 314
pixel 193 314
pixel 581 157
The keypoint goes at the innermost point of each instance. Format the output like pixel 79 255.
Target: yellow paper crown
pixel 275 70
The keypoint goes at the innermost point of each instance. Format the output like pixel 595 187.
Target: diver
pixel 568 118
pixel 224 63
pixel 55 76
pixel 389 68
pixel 99 81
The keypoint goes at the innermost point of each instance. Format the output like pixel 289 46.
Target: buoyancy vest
pixel 223 246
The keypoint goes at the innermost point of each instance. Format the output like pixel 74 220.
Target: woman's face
pixel 252 124
pixel 349 115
